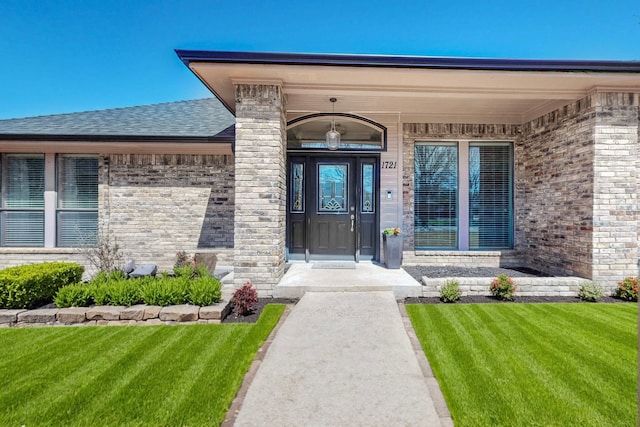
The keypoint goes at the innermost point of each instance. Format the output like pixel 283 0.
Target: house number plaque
pixel 389 165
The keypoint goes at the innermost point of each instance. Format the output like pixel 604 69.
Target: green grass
pixel 533 364
pixel 126 376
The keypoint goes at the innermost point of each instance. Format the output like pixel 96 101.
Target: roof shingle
pixel 193 118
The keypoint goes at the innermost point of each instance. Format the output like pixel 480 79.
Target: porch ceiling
pixel 420 94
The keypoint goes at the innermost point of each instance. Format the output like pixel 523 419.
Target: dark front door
pixel 332 213
pixel 332 207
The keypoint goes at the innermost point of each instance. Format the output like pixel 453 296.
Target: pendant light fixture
pixel 332 137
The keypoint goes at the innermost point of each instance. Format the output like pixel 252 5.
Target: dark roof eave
pixel 423 62
pixel 117 138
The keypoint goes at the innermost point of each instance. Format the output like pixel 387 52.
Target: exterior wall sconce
pixel 332 137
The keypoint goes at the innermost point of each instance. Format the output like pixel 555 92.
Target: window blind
pixel 22 211
pixel 77 215
pixel 490 196
pixel 436 196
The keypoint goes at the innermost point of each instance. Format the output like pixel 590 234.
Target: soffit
pixel 471 96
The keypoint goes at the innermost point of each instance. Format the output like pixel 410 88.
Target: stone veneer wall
pixel 260 210
pixel 616 206
pixel 556 182
pixel 413 132
pixel 156 205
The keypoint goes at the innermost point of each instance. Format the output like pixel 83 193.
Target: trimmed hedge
pixel 33 285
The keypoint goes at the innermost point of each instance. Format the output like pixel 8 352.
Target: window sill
pixel 39 250
pixel 449 252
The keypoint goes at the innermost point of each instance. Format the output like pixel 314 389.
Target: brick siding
pixel 156 205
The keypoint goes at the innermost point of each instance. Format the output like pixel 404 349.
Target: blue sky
pixel 63 56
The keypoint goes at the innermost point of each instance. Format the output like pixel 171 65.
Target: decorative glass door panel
pixel 333 185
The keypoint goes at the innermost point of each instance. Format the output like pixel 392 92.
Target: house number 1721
pixel 389 165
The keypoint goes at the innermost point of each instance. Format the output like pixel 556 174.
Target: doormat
pixel 334 265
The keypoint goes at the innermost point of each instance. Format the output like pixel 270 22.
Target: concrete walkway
pixel 342 359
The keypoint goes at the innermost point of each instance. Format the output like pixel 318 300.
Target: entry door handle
pixel 353 219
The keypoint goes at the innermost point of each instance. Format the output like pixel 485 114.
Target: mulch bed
pixel 432 272
pixel 253 317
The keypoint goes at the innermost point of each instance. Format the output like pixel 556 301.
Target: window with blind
pixel 479 219
pixel 436 196
pixel 490 196
pixel 22 209
pixel 77 211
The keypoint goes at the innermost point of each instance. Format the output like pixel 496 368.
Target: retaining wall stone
pixel 72 315
pixel 105 312
pixel 10 316
pixel 179 313
pixel 43 315
pixel 116 316
pixel 135 312
pixel 151 312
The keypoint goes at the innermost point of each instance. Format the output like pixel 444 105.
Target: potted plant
pixel 392 242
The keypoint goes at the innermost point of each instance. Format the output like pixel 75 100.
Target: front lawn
pixel 124 375
pixel 533 364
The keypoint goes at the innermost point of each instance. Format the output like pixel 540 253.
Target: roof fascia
pixel 423 62
pixel 116 138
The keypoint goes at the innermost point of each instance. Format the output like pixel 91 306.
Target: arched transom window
pixel 356 133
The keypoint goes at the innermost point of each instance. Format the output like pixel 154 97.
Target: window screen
pixel 490 196
pixel 436 196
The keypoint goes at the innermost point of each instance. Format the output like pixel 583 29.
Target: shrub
pixel 245 300
pixel 29 286
pixel 590 292
pixel 76 295
pixel 115 289
pixel 502 287
pixel 125 292
pixel 627 289
pixel 182 259
pixel 450 292
pixel 100 293
pixel 205 291
pixel 104 254
pixel 191 271
pixel 165 291
pixel 186 266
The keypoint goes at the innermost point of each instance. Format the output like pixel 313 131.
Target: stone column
pixel 616 187
pixel 260 186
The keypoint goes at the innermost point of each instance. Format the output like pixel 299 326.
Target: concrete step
pixel 366 277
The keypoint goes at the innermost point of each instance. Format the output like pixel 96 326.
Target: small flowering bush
pixel 395 231
pixel 450 292
pixel 590 292
pixel 245 300
pixel 503 287
pixel 627 289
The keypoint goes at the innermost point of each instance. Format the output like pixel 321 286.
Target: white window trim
pixel 50 200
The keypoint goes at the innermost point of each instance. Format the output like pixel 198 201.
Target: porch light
pixel 332 137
